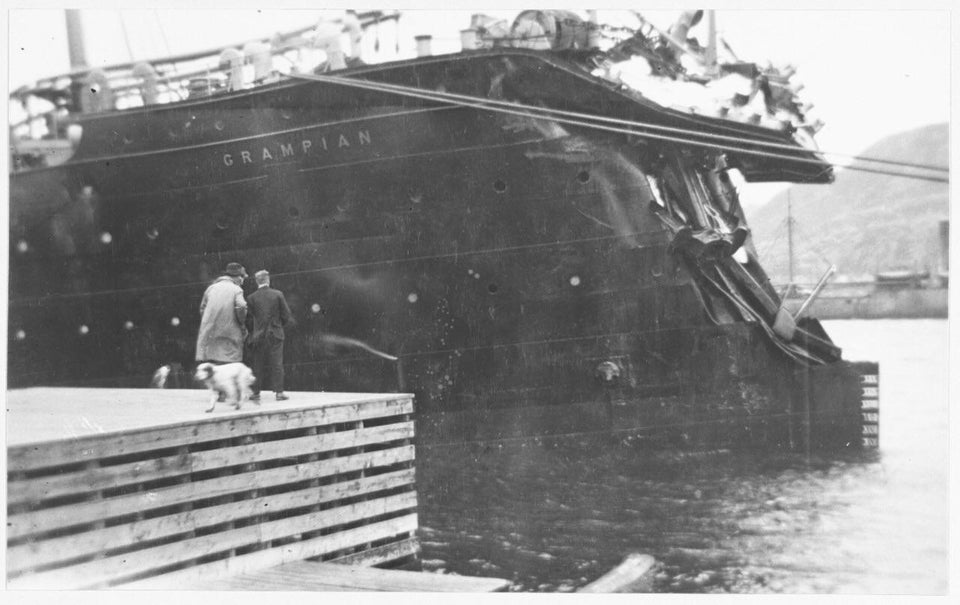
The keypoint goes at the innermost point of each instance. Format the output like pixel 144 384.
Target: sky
pixel 869 72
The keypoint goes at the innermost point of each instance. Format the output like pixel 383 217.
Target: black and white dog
pixel 231 380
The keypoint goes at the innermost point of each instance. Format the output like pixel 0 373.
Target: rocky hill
pixel 863 222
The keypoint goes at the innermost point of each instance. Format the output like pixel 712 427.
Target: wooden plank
pixel 43 552
pixel 89 480
pixel 254 583
pixel 381 554
pixel 32 522
pixel 55 452
pixel 311 575
pixel 200 575
pixel 634 574
pixel 109 570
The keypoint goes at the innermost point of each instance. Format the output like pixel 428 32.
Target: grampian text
pixel 281 151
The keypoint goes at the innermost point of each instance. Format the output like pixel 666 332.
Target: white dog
pixel 160 377
pixel 169 376
pixel 231 380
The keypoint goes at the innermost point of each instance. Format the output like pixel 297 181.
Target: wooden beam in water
pixel 635 574
pixel 310 575
pixel 381 554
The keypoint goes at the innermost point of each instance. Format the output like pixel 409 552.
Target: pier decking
pixel 142 489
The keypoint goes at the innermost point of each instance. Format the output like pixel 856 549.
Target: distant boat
pixel 516 232
pixel 896 293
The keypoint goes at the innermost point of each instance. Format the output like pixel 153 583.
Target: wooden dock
pixel 140 488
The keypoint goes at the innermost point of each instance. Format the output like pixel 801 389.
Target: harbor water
pixel 555 516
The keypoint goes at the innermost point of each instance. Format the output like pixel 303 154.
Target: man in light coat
pixel 223 311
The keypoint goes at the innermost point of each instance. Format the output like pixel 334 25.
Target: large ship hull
pixel 511 264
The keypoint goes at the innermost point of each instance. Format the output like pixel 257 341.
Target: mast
pixel 78 56
pixel 710 54
pixel 789 241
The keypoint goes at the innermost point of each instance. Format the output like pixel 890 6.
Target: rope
pixel 126 37
pixel 536 112
pixel 163 34
pixel 526 110
pixel 803 236
pixel 779 231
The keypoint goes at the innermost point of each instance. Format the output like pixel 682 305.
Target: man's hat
pixel 235 270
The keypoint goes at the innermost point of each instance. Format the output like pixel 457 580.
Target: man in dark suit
pixel 270 314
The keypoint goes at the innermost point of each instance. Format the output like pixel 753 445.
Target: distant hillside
pixel 863 222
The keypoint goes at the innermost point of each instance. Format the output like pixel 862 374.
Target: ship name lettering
pixel 288 150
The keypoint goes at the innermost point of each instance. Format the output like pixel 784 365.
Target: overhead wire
pixel 661 127
pixel 803 237
pixel 578 118
pixel 126 36
pixel 918 177
pixel 779 231
pixel 163 33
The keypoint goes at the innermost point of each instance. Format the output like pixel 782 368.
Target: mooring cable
pixel 576 117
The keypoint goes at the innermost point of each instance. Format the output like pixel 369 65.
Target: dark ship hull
pixel 529 276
